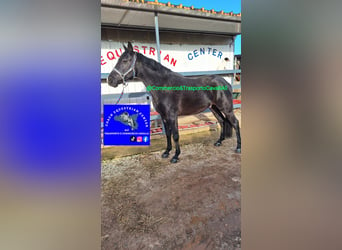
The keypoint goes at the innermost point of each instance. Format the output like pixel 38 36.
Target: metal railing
pixel 197 73
pixel 145 97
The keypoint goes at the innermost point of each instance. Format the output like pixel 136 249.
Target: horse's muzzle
pixel 113 81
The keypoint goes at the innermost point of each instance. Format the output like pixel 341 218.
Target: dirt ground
pixel 149 203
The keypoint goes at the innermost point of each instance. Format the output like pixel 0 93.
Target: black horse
pixel 171 103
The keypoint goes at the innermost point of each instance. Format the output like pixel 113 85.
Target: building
pixel 190 41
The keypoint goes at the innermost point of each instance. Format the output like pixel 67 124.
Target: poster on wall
pixel 126 125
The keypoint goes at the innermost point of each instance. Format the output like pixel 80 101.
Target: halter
pixel 129 70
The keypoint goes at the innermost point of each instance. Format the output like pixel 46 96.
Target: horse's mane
pixel 154 65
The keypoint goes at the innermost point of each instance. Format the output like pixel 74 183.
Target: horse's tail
pixel 229 95
pixel 228 129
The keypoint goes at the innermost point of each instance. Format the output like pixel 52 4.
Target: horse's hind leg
pixel 235 123
pixel 168 138
pixel 220 118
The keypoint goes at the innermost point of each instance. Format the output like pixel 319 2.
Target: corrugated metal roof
pixel 140 14
pixel 181 6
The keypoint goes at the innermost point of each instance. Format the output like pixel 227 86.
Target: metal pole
pixel 156 26
pixel 157 34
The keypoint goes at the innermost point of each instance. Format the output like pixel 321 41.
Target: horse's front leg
pixel 174 129
pixel 168 138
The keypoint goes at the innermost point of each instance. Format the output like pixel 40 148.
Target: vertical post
pixel 156 26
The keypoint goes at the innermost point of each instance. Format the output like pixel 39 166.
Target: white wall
pixel 177 57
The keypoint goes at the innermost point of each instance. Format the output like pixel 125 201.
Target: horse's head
pixel 124 68
pixel 124 116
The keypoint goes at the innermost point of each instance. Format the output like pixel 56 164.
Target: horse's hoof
pixel 238 150
pixel 165 155
pixel 217 144
pixel 174 160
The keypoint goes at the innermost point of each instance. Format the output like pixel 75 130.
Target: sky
pixel 218 5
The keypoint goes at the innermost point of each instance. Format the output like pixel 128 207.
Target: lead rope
pixel 121 94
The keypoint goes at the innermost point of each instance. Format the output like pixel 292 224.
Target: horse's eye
pixel 125 60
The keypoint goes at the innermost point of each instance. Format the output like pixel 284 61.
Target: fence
pixel 145 97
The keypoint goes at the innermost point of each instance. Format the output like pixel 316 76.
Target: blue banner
pixel 126 125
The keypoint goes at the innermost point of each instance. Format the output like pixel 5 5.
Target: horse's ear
pixel 130 47
pixel 124 47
